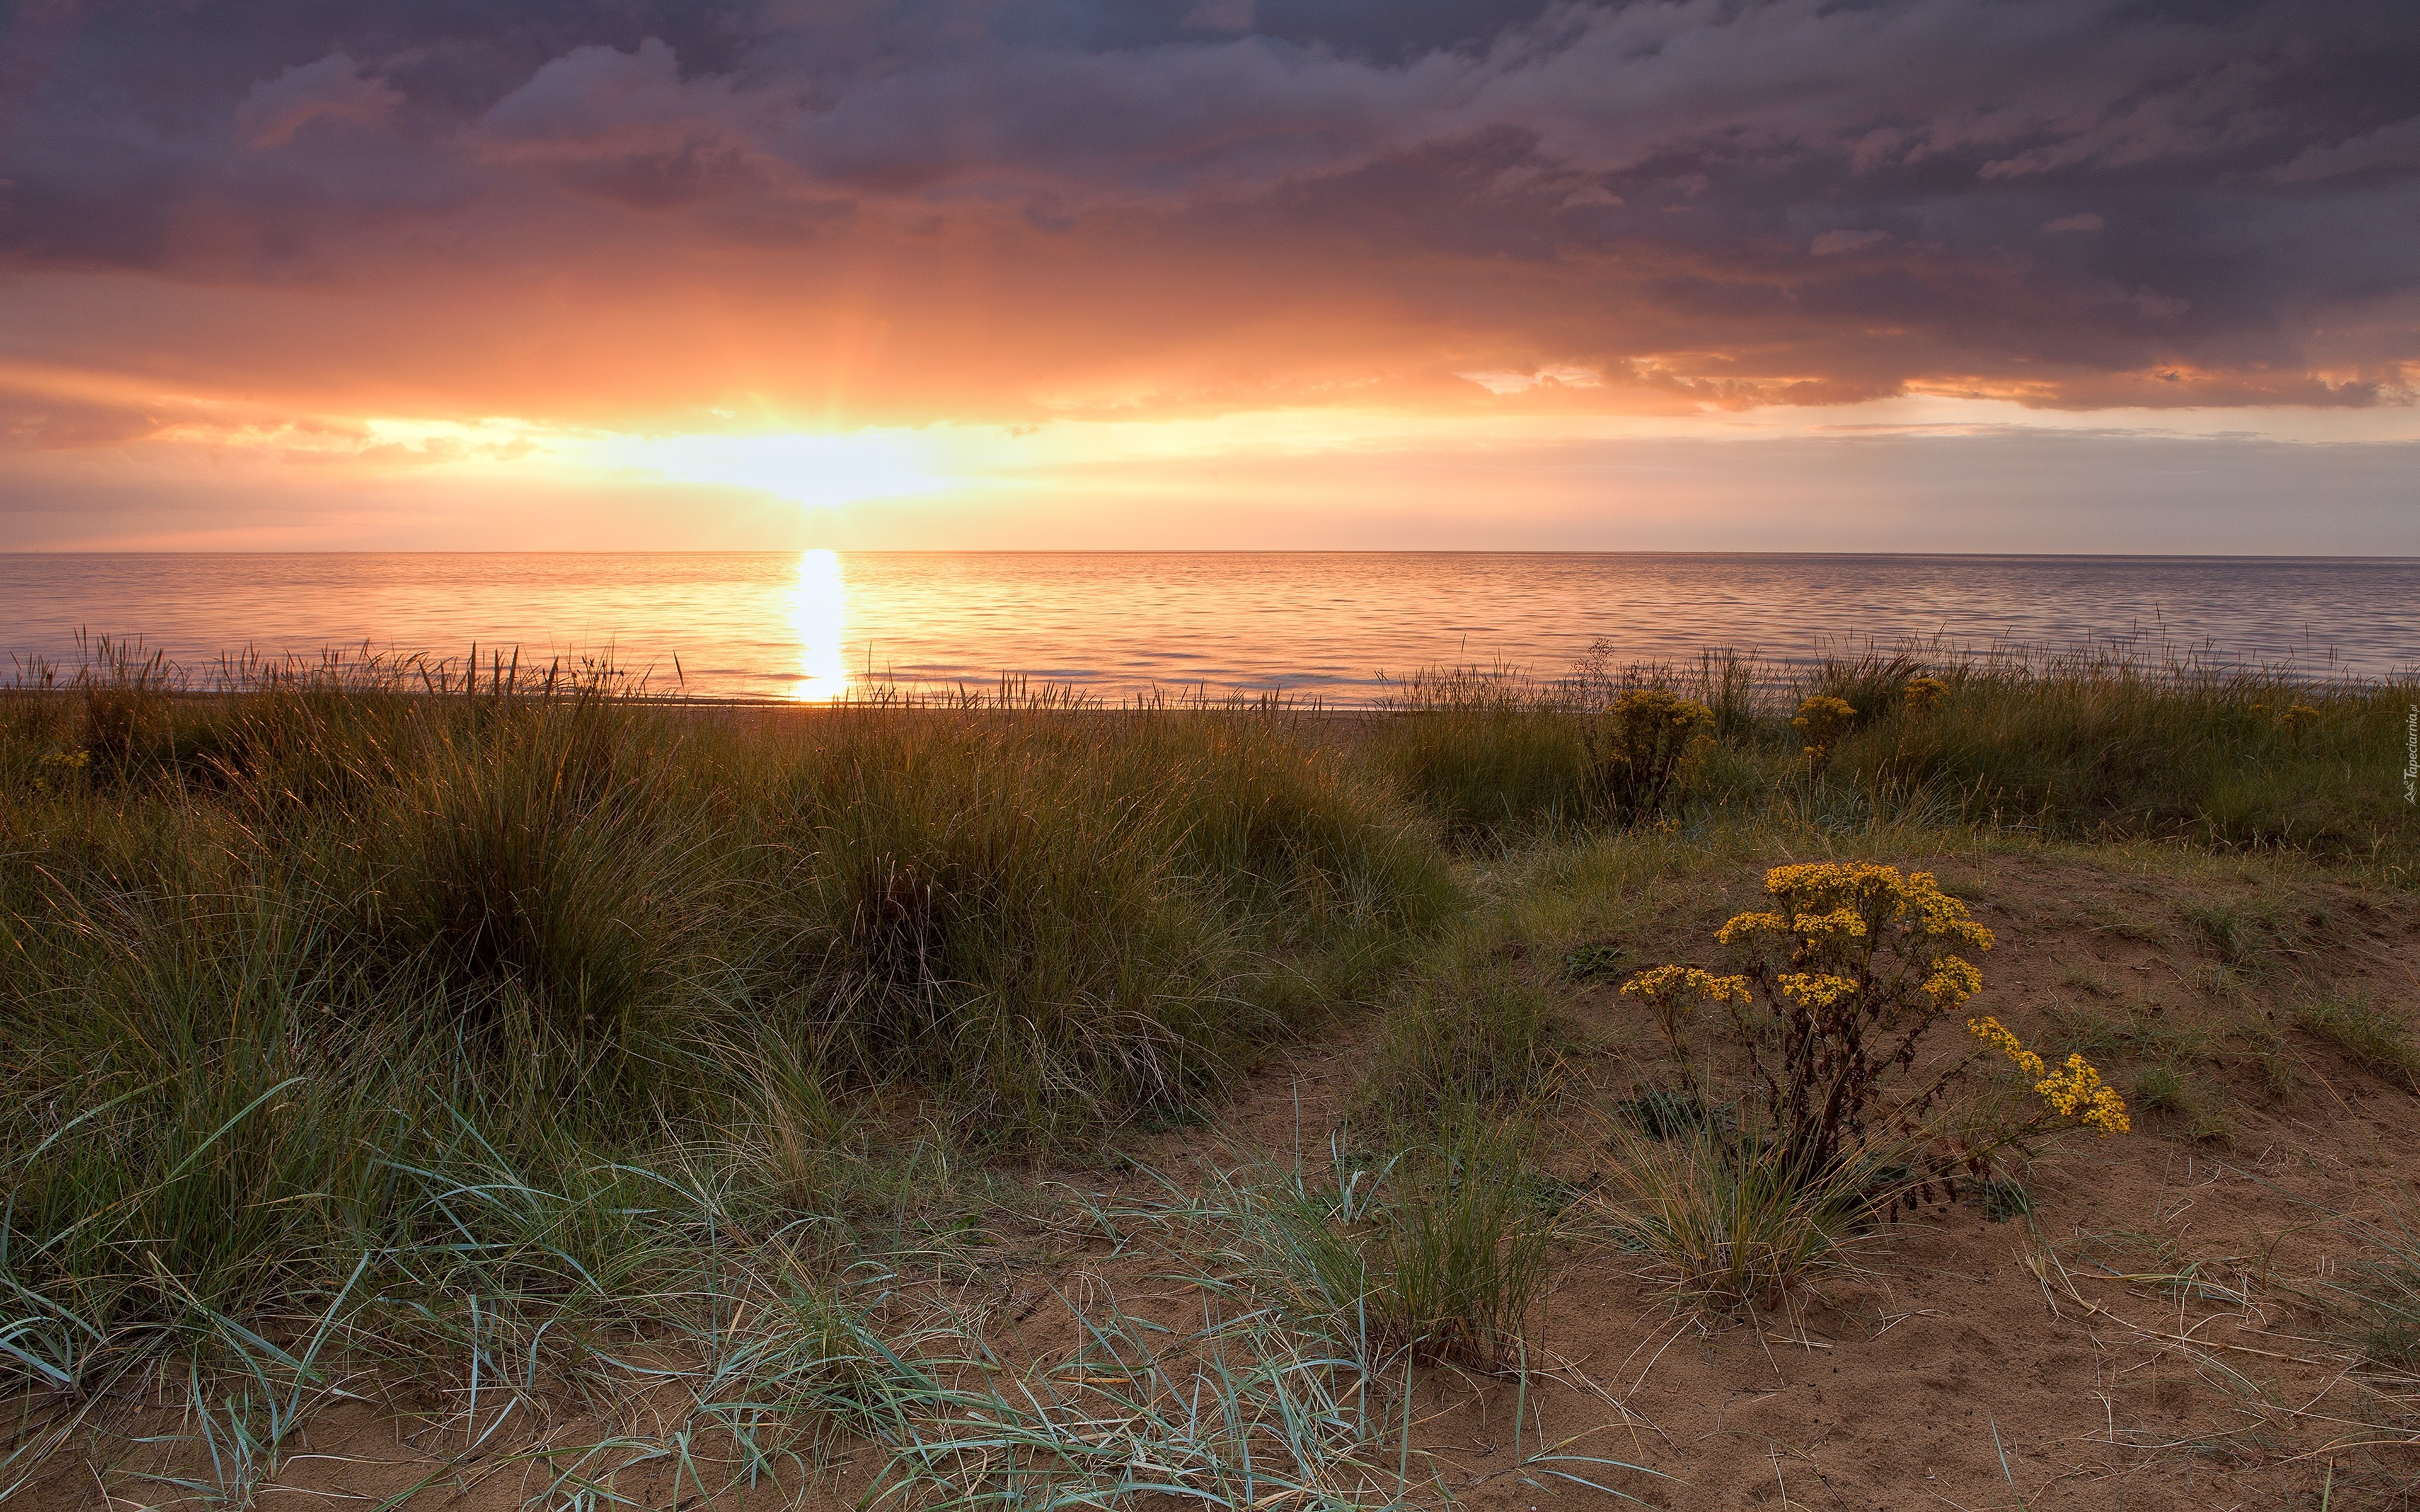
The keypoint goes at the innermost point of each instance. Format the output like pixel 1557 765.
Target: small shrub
pixel 2072 1091
pixel 1845 980
pixel 61 771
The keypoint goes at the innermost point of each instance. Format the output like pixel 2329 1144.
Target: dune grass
pixel 473 1023
pixel 1723 1225
pixel 2098 745
pixel 283 962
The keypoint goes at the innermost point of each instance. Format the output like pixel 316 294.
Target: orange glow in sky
pixel 1689 274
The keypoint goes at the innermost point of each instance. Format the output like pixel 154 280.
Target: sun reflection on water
pixel 819 613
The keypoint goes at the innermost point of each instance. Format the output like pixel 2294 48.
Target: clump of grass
pixel 2167 1089
pixel 2376 1036
pixel 1461 1256
pixel 2370 1309
pixel 1596 961
pixel 540 869
pixel 2004 1199
pixel 1668 1113
pixel 1872 684
pixel 2183 1094
pixel 2090 983
pixel 1461 1035
pixel 2380 1296
pixel 2138 1029
pixel 1489 752
pixel 1726 1224
pixel 1059 922
pixel 1440 1253
pixel 171 1162
pixel 1497 752
pixel 2252 938
pixel 2264 1044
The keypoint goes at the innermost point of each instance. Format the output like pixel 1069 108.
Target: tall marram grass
pixel 2099 744
pixel 279 960
pixel 1059 918
pixel 2104 743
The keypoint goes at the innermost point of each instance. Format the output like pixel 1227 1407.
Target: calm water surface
pixel 1332 624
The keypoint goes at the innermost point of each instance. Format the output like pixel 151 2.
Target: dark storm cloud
pixel 2076 203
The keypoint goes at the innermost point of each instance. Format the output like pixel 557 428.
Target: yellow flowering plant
pixel 60 769
pixel 1822 721
pixel 2071 1092
pixel 1641 748
pixel 1845 974
pixel 1673 994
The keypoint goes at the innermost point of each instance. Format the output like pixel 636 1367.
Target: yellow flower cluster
pixel 1924 693
pixel 2078 1092
pixel 1674 981
pixel 2075 1090
pixel 1841 923
pixel 1824 720
pixel 2000 1037
pixel 1954 979
pixel 1655 704
pixel 59 762
pixel 1851 885
pixel 1814 989
pixel 1743 925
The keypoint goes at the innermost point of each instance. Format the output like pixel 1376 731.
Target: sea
pixel 1342 629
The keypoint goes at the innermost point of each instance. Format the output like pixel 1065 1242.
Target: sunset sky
pixel 1867 274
